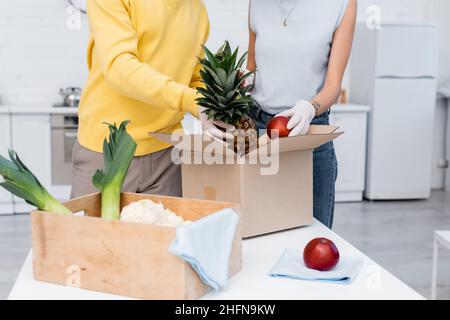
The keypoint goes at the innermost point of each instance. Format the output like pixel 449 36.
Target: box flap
pixel 314 130
pixel 317 136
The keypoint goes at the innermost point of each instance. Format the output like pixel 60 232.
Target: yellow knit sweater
pixel 143 67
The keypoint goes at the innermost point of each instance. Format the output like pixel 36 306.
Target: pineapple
pixel 225 98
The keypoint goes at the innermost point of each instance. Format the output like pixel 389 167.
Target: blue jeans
pixel 325 170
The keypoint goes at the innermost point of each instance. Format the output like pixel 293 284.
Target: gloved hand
pixel 300 117
pixel 211 127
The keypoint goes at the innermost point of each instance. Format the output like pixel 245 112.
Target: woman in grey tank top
pixel 300 50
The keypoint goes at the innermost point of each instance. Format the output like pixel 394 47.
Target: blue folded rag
pixel 206 245
pixel 291 266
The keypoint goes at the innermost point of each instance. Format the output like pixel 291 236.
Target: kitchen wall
pixel 229 21
pixel 401 11
pixel 38 52
pixel 441 12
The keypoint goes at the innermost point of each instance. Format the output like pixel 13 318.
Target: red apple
pixel 278 124
pixel 321 254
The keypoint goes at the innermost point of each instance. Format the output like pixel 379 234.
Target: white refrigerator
pixel 394 70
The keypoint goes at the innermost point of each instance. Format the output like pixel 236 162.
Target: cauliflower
pixel 149 212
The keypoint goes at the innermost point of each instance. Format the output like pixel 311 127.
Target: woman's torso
pixel 292 60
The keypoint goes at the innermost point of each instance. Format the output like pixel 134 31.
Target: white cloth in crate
pixel 206 245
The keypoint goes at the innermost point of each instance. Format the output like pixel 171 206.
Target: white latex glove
pixel 300 117
pixel 211 127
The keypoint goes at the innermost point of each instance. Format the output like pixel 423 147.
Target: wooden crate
pixel 120 258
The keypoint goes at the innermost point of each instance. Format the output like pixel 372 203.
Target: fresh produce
pixel 278 125
pixel 149 212
pixel 20 181
pixel 118 154
pixel 321 254
pixel 225 97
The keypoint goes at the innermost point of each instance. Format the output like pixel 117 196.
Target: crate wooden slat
pixel 120 258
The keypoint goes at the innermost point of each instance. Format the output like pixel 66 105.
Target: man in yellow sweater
pixel 143 67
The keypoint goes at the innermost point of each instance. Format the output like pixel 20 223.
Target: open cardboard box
pixel 273 183
pixel 120 258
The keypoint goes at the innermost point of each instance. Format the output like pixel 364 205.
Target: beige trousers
pixel 150 174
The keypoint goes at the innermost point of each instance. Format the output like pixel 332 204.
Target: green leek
pixel 118 154
pixel 20 181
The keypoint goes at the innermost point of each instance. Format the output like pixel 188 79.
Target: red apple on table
pixel 321 254
pixel 278 124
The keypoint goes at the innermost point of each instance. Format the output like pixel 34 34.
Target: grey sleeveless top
pixel 292 60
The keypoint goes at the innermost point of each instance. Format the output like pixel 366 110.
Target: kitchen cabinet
pixel 31 140
pixel 6 200
pixel 350 150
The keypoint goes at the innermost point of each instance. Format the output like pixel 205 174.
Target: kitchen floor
pixel 398 235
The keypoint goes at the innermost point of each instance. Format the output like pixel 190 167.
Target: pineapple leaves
pixel 229 86
pixel 233 60
pixel 213 75
pixel 224 96
pixel 221 73
pixel 211 58
pixel 241 61
pixel 231 95
pixel 241 80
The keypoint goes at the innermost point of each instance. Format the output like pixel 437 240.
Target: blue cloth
pixel 291 266
pixel 206 245
pixel 325 170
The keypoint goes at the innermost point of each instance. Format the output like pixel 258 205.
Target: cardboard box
pixel 121 258
pixel 269 202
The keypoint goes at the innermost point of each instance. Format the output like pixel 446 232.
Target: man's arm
pixel 196 81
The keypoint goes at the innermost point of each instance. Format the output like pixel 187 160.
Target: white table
pixel 440 238
pixel 259 256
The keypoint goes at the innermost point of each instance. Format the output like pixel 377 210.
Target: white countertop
pixel 37 110
pixel 259 256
